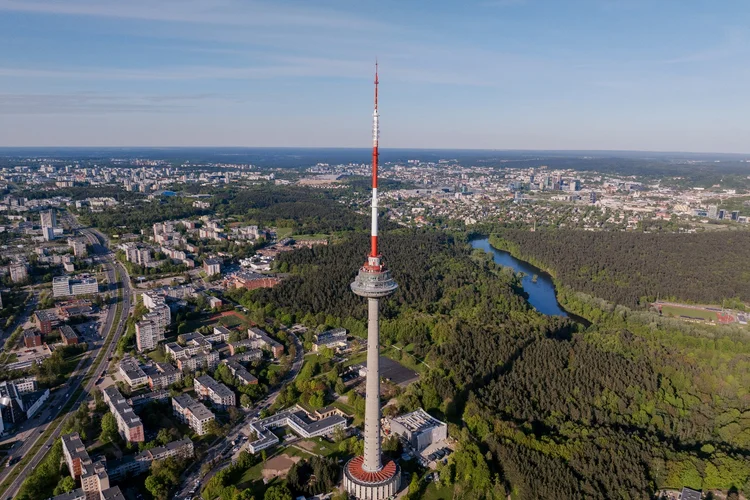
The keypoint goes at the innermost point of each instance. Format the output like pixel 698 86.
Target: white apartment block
pixel 148 334
pixel 63 286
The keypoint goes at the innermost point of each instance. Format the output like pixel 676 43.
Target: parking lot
pixel 396 372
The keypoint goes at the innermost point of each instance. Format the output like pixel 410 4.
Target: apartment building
pixel 219 394
pixel 128 423
pixel 131 373
pixel 193 413
pixel 182 448
pixel 162 375
pixel 203 361
pixel 74 453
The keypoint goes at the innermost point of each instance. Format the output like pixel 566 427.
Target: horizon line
pixel 364 148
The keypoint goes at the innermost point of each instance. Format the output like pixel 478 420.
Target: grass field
pixel 676 311
pixel 317 236
pixel 435 492
pixel 156 356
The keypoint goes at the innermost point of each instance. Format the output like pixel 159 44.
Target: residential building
pixel 44 321
pixel 266 342
pixel 192 413
pixel 48 233
pixel 128 423
pixel 148 333
pixel 212 266
pixel 131 373
pixel 48 218
pixel 240 372
pixel 208 360
pixel 162 375
pixel 94 480
pixel 74 453
pixel 69 336
pixel 32 338
pixel 142 400
pixel 182 448
pixel 219 394
pixel 78 246
pixel 18 272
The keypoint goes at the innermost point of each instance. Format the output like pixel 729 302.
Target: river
pixel 541 293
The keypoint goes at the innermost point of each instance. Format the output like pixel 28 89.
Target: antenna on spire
pixel 376 83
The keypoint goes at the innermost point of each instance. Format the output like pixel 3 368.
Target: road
pixel 114 332
pixel 223 447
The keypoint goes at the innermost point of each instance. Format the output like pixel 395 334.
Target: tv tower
pixel 367 477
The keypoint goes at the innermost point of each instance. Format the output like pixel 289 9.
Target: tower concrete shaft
pixel 372 461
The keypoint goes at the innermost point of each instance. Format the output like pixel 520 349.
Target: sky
pixel 657 75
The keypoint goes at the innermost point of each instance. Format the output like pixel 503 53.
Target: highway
pixel 219 451
pixel 85 367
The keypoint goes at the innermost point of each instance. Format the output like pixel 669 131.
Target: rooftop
pixel 418 420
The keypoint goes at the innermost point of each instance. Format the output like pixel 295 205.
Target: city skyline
pixel 509 74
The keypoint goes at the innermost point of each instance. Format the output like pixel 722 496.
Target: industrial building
pixel 419 429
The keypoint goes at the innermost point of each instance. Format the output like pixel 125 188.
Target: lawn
pixel 317 236
pixel 435 492
pixel 284 232
pixel 157 356
pixel 255 473
pixel 231 320
pixel 668 310
pixel 321 446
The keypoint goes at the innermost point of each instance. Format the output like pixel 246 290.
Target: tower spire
pixel 375 136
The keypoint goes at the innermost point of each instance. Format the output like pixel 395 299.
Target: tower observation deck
pixel 367 477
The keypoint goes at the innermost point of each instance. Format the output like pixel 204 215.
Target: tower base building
pixel 365 485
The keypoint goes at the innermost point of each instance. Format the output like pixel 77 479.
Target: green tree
pixel 109 428
pixel 66 485
pixel 278 492
pixel 245 401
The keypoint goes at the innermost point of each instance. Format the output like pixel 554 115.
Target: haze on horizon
pixel 486 74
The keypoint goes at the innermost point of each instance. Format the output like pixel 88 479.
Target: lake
pixel 541 293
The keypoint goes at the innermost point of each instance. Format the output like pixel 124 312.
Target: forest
pixel 545 407
pixel 633 268
pixel 305 210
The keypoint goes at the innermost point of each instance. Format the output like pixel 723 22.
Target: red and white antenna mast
pixel 375 134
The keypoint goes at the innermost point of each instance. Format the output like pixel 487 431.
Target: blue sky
pixel 509 74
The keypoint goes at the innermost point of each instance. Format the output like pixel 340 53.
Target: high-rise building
pixel 48 233
pixel 366 476
pixel 49 218
pixel 18 272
